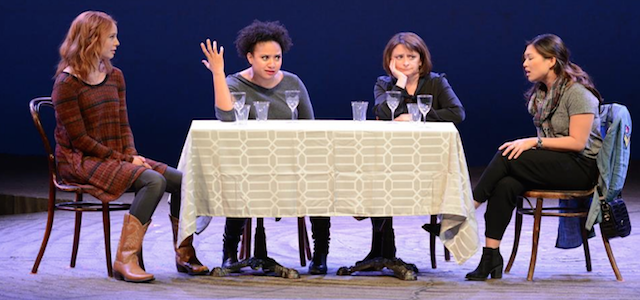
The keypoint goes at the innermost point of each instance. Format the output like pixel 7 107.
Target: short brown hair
pixel 414 43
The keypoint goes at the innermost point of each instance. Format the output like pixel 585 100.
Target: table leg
pixel 401 269
pixel 383 244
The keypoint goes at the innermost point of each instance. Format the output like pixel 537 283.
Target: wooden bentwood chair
pixel 432 246
pixel 538 211
pixel 610 114
pixel 78 206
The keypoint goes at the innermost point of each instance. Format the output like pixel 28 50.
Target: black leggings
pixel 504 180
pixel 149 189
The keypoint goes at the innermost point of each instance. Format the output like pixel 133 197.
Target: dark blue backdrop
pixel 337 52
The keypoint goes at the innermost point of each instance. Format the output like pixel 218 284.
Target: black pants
pixel 150 188
pixel 504 180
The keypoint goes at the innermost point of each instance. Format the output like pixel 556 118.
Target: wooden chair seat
pixel 538 211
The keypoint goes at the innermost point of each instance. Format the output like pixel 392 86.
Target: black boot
pixel 232 230
pixel 320 234
pixel 432 228
pixel 490 263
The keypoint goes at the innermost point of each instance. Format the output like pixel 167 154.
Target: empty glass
pixel 424 104
pixel 293 98
pixel 262 110
pixel 393 100
pixel 242 114
pixel 359 110
pixel 414 111
pixel 238 99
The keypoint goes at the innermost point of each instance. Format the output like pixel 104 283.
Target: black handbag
pixel 615 218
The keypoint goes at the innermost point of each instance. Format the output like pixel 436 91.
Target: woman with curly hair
pixel 262 44
pixel 94 142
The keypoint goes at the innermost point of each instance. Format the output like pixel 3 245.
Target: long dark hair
pixel 551 45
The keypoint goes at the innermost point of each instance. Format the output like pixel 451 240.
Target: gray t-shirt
pixel 578 100
pixel 278 108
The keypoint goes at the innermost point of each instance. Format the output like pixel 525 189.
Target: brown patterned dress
pixel 94 142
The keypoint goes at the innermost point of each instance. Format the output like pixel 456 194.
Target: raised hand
pixel 215 58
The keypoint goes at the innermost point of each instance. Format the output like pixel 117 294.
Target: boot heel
pixel 182 269
pixel 497 272
pixel 118 276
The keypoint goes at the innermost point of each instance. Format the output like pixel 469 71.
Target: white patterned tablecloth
pixel 295 168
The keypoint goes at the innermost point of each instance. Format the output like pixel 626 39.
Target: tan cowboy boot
pixel 186 260
pixel 127 267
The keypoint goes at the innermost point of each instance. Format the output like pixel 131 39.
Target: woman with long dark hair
pixel 562 156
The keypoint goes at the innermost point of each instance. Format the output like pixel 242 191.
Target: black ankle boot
pixel 432 228
pixel 232 230
pixel 229 251
pixel 490 264
pixel 318 265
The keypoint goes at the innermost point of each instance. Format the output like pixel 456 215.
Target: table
pixel 294 168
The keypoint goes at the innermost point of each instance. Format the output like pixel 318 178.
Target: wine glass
pixel 424 104
pixel 292 97
pixel 238 99
pixel 393 100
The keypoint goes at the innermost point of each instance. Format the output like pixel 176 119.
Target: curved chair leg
pixel 432 243
pixel 447 254
pixel 307 247
pixel 516 238
pixel 303 242
pixel 245 247
pixel 106 223
pixel 612 259
pixel 76 232
pixel 585 244
pixel 47 231
pixel 76 238
pixel 537 218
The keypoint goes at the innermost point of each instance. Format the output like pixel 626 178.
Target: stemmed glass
pixel 292 97
pixel 424 105
pixel 393 100
pixel 238 99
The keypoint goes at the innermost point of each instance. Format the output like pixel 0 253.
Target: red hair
pixel 82 47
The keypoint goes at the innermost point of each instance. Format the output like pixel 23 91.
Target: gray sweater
pixel 278 108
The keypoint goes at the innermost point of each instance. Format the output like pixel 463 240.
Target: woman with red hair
pixel 94 142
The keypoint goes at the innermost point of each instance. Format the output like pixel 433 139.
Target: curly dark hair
pixel 260 31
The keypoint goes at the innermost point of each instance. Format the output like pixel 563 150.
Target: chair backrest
pixel 34 106
pixel 613 158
